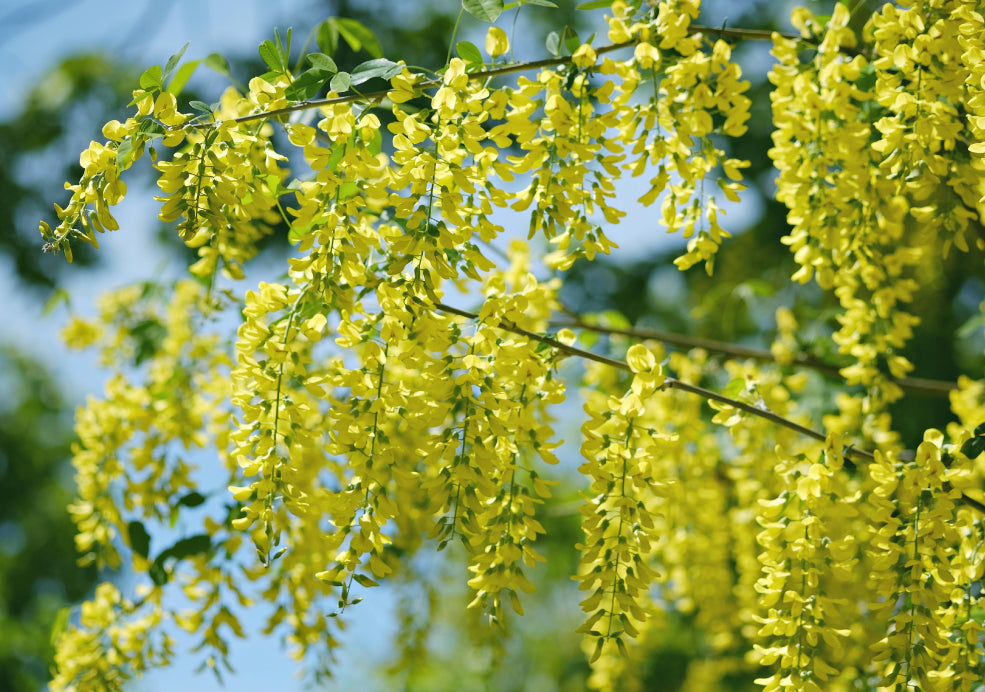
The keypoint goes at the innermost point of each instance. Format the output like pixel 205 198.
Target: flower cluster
pixel 354 415
pixel 620 449
pixel 866 148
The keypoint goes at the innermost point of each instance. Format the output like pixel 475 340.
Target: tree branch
pixel 670 382
pixel 915 385
pixel 674 383
pixel 737 34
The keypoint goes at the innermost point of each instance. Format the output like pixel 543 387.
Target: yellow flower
pixel 640 358
pixel 584 57
pixel 496 42
pixel 80 333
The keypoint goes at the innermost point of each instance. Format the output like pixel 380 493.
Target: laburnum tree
pixel 394 389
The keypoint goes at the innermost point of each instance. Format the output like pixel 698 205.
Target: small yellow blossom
pixel 80 333
pixel 496 42
pixel 584 57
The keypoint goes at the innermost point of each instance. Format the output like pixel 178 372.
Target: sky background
pixel 34 36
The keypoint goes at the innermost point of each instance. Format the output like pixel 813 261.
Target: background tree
pixel 38 569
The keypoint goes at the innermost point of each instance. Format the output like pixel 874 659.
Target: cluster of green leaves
pixel 322 72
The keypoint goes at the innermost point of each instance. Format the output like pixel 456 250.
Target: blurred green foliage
pixel 38 572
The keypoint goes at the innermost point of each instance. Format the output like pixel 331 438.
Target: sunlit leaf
pixel 218 63
pixel 173 61
pixel 469 52
pixel 182 76
pixel 151 78
pixel 381 67
pixel 484 10
pixel 358 36
pixel 271 56
pixel 340 82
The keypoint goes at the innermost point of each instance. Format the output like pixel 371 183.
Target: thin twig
pixel 669 382
pixel 915 385
pixel 738 34
pixel 674 383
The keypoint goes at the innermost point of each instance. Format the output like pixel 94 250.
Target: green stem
pixel 454 33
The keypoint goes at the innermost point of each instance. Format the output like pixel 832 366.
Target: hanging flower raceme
pixel 312 433
pixel 618 520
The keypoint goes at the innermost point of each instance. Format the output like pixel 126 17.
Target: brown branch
pixel 915 385
pixel 738 34
pixel 670 382
pixel 674 383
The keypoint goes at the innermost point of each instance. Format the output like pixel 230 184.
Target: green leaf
pixel 181 77
pixel 469 53
pixel 553 43
pixel 328 36
pixel 866 80
pixel 340 82
pixel 151 79
pixel 284 48
pixel 124 155
pixel 298 232
pixel 735 387
pixel 322 62
pixel 364 580
pixel 271 56
pixel 484 10
pixel 589 339
pixel 381 67
pixel 139 538
pixel 597 651
pixel 58 296
pixel 218 63
pixel 148 335
pixel 60 624
pixel 358 36
pixel 337 152
pixel 173 61
pixel 375 145
pixel 186 547
pixel 200 106
pixel 348 189
pixel 150 129
pixel 192 499
pixel 973 447
pixel 157 573
pixel 307 85
pixel 614 318
pixel 571 40
pixel 595 5
pixel 971 326
pixel 539 3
